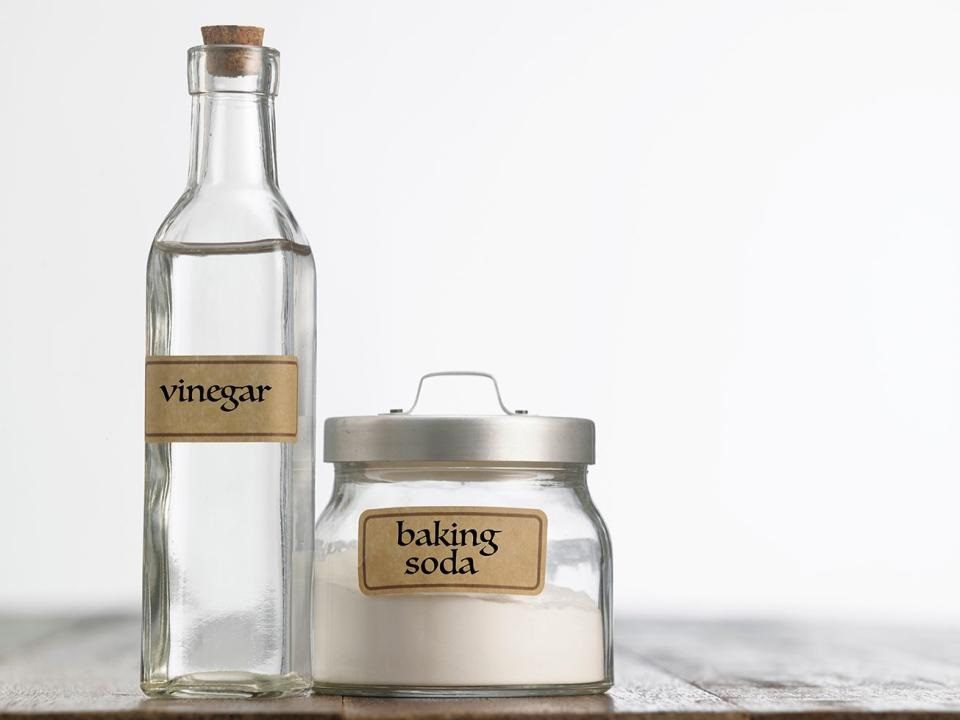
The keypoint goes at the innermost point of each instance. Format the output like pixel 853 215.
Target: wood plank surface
pixel 770 667
pixel 667 669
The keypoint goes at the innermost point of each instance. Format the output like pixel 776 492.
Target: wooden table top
pixel 88 667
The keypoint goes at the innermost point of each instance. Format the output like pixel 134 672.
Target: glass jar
pixel 461 556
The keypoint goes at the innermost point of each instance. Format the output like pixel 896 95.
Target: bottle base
pixel 458 691
pixel 228 685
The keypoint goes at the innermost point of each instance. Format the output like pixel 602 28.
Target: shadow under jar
pixel 461 556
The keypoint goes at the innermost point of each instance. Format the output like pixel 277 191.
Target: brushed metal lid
pixel 515 436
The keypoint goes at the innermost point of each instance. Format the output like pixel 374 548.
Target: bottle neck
pixel 233 141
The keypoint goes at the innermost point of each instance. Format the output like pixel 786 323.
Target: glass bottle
pixel 230 373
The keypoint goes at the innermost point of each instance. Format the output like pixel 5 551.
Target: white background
pixel 728 232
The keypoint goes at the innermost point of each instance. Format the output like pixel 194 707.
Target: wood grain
pixel 666 669
pixel 769 667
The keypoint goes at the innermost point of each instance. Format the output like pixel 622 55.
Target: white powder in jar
pixel 448 639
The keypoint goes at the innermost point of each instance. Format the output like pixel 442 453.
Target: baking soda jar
pixel 461 556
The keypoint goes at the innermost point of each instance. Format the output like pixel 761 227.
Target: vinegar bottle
pixel 230 373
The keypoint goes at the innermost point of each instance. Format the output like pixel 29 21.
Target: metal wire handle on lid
pixel 457 373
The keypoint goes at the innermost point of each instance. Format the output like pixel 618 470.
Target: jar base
pixel 456 691
pixel 228 684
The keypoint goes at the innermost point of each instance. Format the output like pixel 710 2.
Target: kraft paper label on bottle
pixel 221 398
pixel 452 549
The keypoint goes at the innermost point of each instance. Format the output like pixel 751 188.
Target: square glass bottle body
pixel 228 524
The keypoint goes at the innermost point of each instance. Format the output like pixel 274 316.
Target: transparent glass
pixel 228 527
pixel 465 644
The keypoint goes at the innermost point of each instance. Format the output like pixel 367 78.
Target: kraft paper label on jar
pixel 221 398
pixel 452 549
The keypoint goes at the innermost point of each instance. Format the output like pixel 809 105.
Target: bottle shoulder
pixel 228 215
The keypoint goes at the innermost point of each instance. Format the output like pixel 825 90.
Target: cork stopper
pixel 232 35
pixel 232 61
